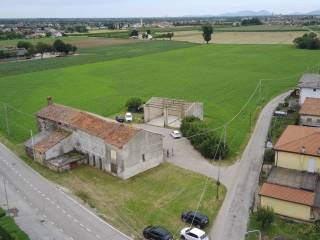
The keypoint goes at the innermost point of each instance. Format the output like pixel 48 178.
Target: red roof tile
pixel 311 106
pixel 296 138
pixel 112 133
pixel 53 139
pixel 287 194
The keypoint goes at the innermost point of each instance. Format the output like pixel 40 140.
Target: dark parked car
pixel 120 119
pixel 199 220
pixel 157 233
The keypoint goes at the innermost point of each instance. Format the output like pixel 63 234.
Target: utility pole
pixel 6 118
pixel 260 91
pixel 32 142
pixel 6 194
pixel 218 181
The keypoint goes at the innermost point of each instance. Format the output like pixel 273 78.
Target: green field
pixel 91 55
pixel 221 76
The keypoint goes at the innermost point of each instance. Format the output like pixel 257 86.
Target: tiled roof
pixel 112 133
pixel 51 140
pixel 299 139
pixel 311 106
pixel 287 194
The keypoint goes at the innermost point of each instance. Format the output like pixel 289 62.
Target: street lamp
pixel 255 231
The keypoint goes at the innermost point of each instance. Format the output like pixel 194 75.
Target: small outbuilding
pixel 167 112
pixel 309 86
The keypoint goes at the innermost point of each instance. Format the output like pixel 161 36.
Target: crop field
pixel 234 37
pixel 221 76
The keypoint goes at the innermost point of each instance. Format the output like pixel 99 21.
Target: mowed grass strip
pixel 221 76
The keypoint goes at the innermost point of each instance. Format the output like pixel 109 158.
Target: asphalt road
pixel 48 202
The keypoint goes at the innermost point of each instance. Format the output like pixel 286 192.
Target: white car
pixel 193 234
pixel 176 134
pixel 128 117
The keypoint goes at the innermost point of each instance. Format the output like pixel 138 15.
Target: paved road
pixel 53 205
pixel 241 179
pixel 231 222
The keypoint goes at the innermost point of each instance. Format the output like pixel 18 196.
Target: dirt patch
pixel 240 37
pixel 97 42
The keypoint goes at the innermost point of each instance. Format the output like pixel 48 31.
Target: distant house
pixel 310 112
pixel 116 148
pixel 309 86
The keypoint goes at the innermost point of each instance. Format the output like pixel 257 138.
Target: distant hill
pixel 316 12
pixel 247 14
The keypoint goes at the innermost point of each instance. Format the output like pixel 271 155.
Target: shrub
pixel 269 156
pixel 203 139
pixel 133 104
pixel 10 231
pixel 265 216
pixel 2 213
pixel 308 41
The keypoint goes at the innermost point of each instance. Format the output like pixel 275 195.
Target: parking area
pixel 182 154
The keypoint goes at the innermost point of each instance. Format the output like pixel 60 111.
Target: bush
pixel 10 231
pixel 203 139
pixel 2 213
pixel 308 41
pixel 269 156
pixel 134 104
pixel 265 216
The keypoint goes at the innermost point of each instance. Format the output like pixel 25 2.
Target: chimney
pixel 303 149
pixel 318 151
pixel 50 100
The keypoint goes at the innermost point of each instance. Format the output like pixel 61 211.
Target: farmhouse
pixel 310 112
pixel 109 146
pixel 167 112
pixel 293 187
pixel 309 86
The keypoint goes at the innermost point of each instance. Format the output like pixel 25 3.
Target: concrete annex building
pixel 309 86
pixel 116 148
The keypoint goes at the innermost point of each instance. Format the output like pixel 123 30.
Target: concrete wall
pixel 293 210
pixel 295 161
pixel 311 121
pixel 65 146
pixel 143 152
pixel 152 113
pixel 308 92
pixel 195 110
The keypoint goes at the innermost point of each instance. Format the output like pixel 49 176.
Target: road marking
pixel 75 220
pixel 81 225
pixel 64 211
pixel 97 236
pixel 88 229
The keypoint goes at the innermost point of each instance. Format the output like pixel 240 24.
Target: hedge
pixel 9 230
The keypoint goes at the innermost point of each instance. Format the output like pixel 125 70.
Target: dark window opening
pixel 143 157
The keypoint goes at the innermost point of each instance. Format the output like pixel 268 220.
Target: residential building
pixel 298 148
pixel 309 86
pixel 293 187
pixel 120 149
pixel 310 112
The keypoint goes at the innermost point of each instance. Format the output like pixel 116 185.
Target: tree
pixel 269 155
pixel 24 44
pixel 59 46
pixel 207 30
pixel 170 35
pixel 43 47
pixel 148 31
pixel 133 104
pixel 134 33
pixel 265 216
pixel 308 41
pixel 252 21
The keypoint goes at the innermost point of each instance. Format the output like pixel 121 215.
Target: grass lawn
pixel 288 229
pixel 157 196
pixel 221 76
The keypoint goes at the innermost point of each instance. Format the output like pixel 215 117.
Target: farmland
pixel 241 37
pixel 204 71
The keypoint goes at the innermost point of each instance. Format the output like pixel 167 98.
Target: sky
pixel 145 8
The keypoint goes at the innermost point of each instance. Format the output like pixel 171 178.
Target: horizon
pixel 12 9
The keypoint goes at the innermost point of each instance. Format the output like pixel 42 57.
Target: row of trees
pixel 251 21
pixel 10 35
pixel 203 139
pixel 308 41
pixel 76 28
pixel 57 46
pixel 165 35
